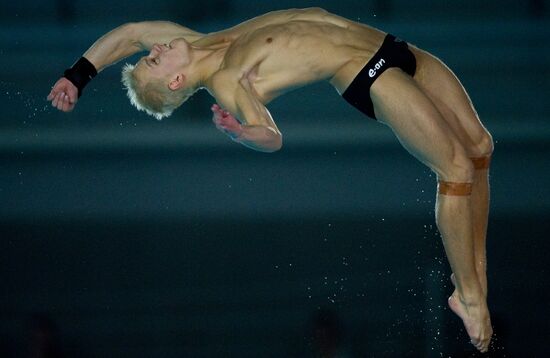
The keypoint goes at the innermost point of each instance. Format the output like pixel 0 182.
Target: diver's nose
pixel 157 48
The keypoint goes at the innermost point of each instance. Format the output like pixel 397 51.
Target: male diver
pixel 400 85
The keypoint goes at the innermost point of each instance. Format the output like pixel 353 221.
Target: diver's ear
pixel 177 82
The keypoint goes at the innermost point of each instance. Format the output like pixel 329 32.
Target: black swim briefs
pixel 394 52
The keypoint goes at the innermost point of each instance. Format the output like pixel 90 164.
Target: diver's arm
pixel 110 48
pixel 244 118
pixel 131 38
pixel 258 137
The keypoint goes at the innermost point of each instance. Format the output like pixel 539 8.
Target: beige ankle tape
pixel 454 189
pixel 481 162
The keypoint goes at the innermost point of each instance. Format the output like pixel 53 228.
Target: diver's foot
pixel 475 317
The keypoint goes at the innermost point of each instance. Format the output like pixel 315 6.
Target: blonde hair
pixel 153 96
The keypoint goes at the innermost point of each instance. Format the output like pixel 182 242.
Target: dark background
pixel 123 236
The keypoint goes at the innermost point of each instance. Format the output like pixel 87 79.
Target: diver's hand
pixel 226 122
pixel 63 95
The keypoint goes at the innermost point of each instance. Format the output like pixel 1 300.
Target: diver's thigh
pixel 449 96
pixel 401 104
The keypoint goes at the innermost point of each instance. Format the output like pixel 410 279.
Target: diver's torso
pixel 277 58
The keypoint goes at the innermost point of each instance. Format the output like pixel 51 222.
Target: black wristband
pixel 80 74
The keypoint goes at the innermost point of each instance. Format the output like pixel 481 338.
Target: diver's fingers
pixel 60 101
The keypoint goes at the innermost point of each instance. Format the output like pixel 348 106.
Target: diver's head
pixel 159 82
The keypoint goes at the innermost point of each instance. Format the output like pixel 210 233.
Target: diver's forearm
pixel 115 45
pixel 260 138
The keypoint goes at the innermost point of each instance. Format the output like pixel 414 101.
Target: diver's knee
pixel 457 177
pixel 484 145
pixel 482 157
pixel 458 169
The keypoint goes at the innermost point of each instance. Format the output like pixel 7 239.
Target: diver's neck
pixel 206 63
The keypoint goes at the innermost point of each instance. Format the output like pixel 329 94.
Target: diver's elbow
pixel 275 145
pixel 278 147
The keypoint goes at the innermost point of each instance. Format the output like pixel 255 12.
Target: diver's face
pixel 165 60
